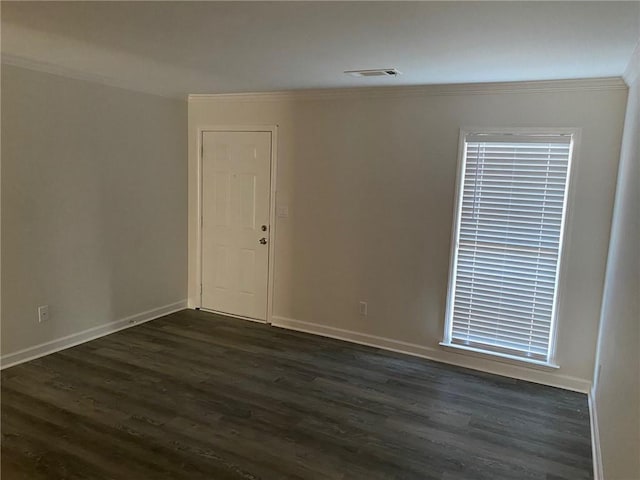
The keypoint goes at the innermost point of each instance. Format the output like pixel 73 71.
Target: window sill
pixel 500 357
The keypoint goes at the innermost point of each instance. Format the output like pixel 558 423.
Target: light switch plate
pixel 283 212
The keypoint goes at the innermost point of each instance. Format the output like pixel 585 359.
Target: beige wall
pixel 94 205
pixel 617 391
pixel 369 181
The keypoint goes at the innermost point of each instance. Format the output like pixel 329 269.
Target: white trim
pixel 596 453
pixel 632 72
pixel 74 339
pixel 586 84
pixel 495 366
pixel 272 222
pixel 453 250
pixel 60 71
pixel 565 236
pixel 273 130
pixel 504 356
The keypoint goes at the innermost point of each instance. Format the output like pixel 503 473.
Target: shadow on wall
pixel 94 205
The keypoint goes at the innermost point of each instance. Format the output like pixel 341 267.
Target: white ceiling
pixel 176 48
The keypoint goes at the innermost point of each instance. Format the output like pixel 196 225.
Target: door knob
pixel 263 241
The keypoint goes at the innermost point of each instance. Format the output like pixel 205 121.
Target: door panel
pixel 236 168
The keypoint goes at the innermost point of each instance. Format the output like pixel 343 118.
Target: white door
pixel 236 168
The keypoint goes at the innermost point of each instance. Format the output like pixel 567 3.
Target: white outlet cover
pixel 43 313
pixel 363 308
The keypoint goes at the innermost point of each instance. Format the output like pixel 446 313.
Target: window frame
pixel 551 361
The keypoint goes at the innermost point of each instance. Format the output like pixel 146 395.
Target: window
pixel 510 214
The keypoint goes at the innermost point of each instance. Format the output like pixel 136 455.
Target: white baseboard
pixel 440 354
pixel 598 473
pixel 47 348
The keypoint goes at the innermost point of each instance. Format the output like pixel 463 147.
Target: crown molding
pixel 61 71
pixel 544 86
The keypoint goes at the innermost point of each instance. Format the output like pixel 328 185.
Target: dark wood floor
pixel 199 396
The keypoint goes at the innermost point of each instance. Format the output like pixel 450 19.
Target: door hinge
pixel 200 289
pixel 201 149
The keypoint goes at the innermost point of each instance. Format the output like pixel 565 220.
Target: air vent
pixel 378 72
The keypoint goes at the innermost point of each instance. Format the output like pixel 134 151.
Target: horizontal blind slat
pixel 497 338
pixel 517 139
pixel 514 313
pixel 501 349
pixel 505 272
pixel 502 310
pixel 503 332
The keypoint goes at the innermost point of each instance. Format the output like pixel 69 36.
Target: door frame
pixel 273 130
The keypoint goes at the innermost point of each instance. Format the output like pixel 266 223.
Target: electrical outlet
pixel 43 313
pixel 363 308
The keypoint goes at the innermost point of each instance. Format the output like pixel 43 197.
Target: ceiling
pixel 177 48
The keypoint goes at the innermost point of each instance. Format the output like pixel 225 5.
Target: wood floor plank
pixel 195 395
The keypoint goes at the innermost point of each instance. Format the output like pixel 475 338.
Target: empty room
pixel 320 240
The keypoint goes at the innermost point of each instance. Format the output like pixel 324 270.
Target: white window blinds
pixel 508 237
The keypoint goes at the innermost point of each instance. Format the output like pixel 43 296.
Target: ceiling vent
pixel 378 72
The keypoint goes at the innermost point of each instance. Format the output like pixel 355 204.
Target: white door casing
pixel 236 177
